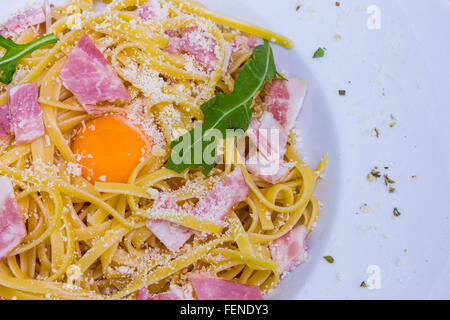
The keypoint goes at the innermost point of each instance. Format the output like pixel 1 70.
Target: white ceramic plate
pixel 398 73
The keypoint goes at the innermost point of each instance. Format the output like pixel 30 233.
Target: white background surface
pixel 408 60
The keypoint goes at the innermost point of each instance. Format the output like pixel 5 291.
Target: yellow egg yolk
pixel 109 148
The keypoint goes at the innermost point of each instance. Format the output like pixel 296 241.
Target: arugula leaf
pixel 224 112
pixel 15 52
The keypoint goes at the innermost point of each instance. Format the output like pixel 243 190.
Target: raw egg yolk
pixel 109 148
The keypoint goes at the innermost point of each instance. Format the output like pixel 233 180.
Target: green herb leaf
pixel 363 285
pixel 224 112
pixel 342 92
pixel 15 52
pixel 319 53
pixel 329 259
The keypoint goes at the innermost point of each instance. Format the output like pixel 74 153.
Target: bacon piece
pixel 285 99
pixel 172 294
pixel 283 103
pixel 5 122
pixel 172 235
pixel 198 44
pixel 268 135
pixel 270 139
pixel 290 250
pixel 212 288
pixel 219 201
pixel 175 42
pixel 227 61
pixel 153 10
pixel 25 113
pixel 22 21
pixel 89 76
pixel 201 46
pixel 12 227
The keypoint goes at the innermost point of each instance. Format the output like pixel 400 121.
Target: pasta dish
pixel 148 151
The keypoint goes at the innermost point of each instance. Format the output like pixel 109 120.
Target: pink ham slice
pixel 290 250
pixel 215 206
pixel 172 235
pixel 283 103
pixel 198 44
pixel 22 21
pixel 219 201
pixel 271 171
pixel 12 227
pixel 285 99
pixel 48 15
pixel 5 122
pixel 25 113
pixel 153 10
pixel 227 61
pixel 90 78
pixel 169 295
pixel 270 139
pixel 244 44
pixel 201 46
pixel 212 288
